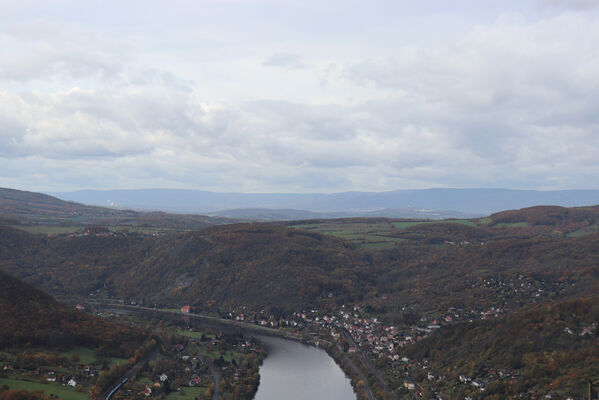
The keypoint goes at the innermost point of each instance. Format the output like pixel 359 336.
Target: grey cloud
pixel 568 4
pixel 285 60
pixel 511 104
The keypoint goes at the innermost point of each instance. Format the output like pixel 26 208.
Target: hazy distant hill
pixel 17 206
pixel 266 214
pixel 476 201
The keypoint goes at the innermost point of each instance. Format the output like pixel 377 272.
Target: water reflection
pixel 294 371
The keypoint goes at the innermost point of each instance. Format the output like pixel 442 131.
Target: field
pixel 375 234
pixel 371 234
pixel 587 230
pixel 86 356
pixel 192 334
pixel 63 392
pixel 511 225
pixel 117 360
pixel 187 393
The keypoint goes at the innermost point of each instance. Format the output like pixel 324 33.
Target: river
pixel 294 371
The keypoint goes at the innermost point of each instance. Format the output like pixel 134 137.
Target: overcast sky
pixel 299 96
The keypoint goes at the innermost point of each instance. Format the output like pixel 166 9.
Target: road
pixel 367 363
pixel 206 360
pixel 269 331
pixel 130 372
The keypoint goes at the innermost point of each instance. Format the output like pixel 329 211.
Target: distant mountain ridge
pixel 17 206
pixel 473 201
pixel 266 214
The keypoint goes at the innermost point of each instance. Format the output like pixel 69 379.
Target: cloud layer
pixel 508 101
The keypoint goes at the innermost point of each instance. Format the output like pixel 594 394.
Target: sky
pixel 299 96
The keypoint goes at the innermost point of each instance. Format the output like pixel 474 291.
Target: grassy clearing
pixel 373 235
pixel 511 225
pixel 587 230
pixel 227 355
pixel 187 393
pixel 144 381
pixel 357 232
pixel 194 335
pixel 86 355
pixel 63 392
pixel 117 360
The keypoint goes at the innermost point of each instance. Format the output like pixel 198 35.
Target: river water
pixel 294 371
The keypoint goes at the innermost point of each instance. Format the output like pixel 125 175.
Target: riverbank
pixel 358 379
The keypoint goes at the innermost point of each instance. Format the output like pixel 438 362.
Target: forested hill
pixel 229 265
pixel 30 317
pixel 431 264
pixel 553 346
pixel 30 208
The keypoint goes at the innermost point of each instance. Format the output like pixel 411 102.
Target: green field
pixel 117 360
pixel 86 355
pixel 63 392
pixel 227 355
pixel 587 230
pixel 187 393
pixel 511 225
pixel 192 334
pixel 144 381
pixel 365 234
pixel 372 235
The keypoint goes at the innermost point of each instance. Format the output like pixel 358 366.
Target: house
pixel 409 383
pixel 185 309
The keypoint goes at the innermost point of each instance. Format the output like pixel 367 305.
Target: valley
pixel 487 307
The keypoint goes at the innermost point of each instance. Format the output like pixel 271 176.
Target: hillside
pixel 522 277
pixel 34 211
pixel 244 264
pixel 434 265
pixel 30 317
pixel 549 347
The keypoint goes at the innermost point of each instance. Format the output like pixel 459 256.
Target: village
pixel 357 333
